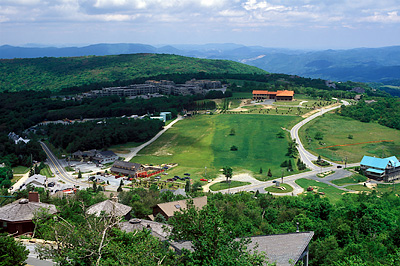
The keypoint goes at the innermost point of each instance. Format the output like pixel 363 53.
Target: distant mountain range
pixel 361 64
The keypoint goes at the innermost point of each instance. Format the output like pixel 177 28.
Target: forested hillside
pixel 57 73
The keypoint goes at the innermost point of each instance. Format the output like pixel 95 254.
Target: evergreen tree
pixel 269 173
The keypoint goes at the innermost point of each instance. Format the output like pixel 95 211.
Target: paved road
pixel 58 169
pixel 135 150
pixel 306 156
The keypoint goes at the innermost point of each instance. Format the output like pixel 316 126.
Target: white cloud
pixel 388 17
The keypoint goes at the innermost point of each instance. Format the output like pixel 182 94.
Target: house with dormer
pixel 384 169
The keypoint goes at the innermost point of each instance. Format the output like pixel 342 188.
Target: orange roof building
pixel 284 95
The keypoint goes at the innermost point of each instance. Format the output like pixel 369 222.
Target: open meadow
pixel 202 145
pixel 339 130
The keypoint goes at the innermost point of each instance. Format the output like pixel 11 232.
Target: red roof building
pixel 284 95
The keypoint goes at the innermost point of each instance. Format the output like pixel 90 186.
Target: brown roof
pixel 170 207
pixel 280 249
pixel 109 207
pixel 23 210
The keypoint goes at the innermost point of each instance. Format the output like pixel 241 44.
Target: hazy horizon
pixel 298 24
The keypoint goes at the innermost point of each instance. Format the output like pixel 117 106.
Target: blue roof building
pixel 386 169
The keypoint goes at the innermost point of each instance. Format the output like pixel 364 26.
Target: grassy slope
pixel 204 141
pixel 56 73
pixel 336 130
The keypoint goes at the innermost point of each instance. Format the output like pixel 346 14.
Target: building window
pixel 5 224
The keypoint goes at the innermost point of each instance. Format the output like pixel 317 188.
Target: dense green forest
pixel 101 134
pixel 360 229
pixel 385 111
pixel 56 73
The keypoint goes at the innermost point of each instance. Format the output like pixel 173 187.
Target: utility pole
pixel 282 177
pixel 345 163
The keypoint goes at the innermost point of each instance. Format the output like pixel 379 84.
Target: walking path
pixel 133 152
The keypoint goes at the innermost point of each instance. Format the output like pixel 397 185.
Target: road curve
pixel 306 156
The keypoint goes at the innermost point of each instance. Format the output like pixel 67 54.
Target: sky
pixel 303 24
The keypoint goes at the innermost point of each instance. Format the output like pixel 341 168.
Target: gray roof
pixel 107 153
pixel 127 165
pixel 109 207
pixel 157 229
pixel 38 179
pixel 280 249
pixel 23 210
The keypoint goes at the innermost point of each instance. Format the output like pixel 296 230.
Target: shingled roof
pixel 109 207
pixel 24 210
pixel 170 207
pixel 157 229
pixel 280 249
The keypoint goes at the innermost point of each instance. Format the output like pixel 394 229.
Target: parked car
pixel 170 180
pixel 339 166
pixel 203 179
pixel 186 177
pixel 51 184
pixel 176 177
pixel 186 174
pixel 157 177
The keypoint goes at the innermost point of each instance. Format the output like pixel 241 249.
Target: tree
pixel 79 174
pixel 212 239
pixel 269 173
pixel 292 148
pixel 233 132
pixel 350 136
pixel 11 251
pixel 187 186
pixel 261 171
pixel 234 148
pixel 319 135
pixel 280 135
pixel 227 171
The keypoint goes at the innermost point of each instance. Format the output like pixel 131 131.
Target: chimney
pixel 33 197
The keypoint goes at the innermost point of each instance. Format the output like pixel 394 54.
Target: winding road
pixel 305 156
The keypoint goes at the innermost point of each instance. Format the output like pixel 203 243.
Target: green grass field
pixel 46 171
pixel 224 185
pixel 336 129
pixel 332 193
pixel 20 170
pixel 275 189
pixel 124 148
pixel 201 145
pixel 353 179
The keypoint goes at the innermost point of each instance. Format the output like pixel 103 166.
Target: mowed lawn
pixel 336 130
pixel 332 193
pixel 201 145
